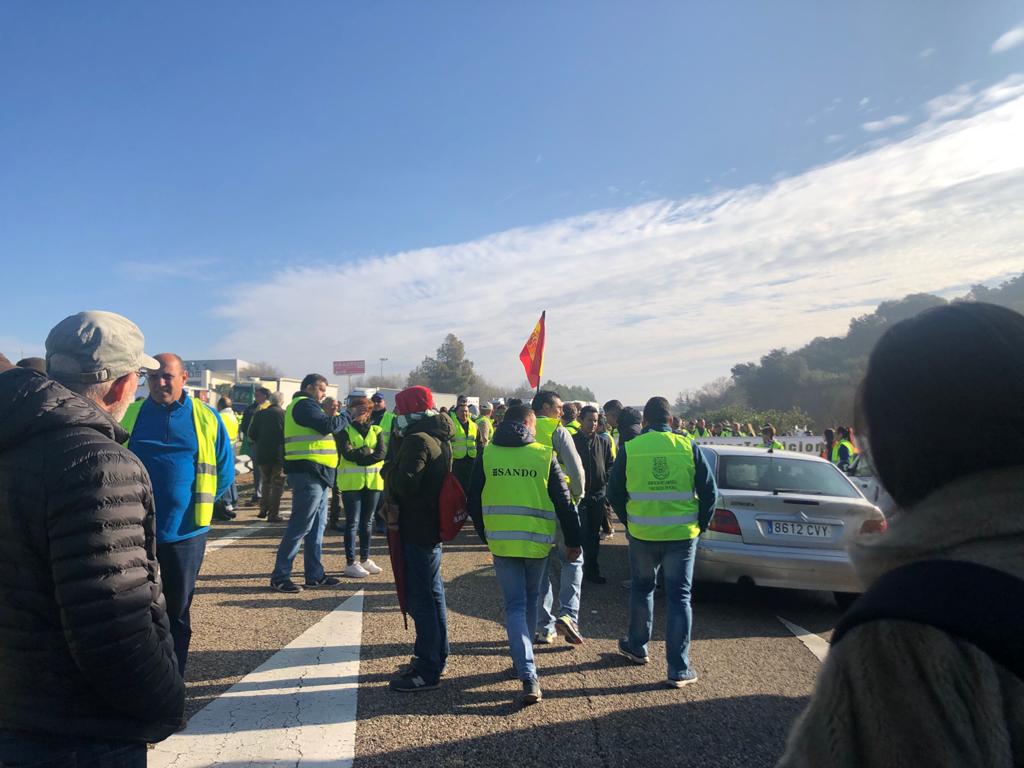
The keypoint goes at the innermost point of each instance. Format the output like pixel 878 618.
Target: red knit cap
pixel 413 400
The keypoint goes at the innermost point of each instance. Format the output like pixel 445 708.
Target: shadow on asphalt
pixel 744 731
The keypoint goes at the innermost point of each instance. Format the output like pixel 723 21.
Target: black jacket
pixel 414 475
pixel 511 434
pixel 596 454
pixel 630 424
pixel 266 430
pixel 85 648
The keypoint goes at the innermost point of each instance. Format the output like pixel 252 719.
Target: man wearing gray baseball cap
pixel 89 673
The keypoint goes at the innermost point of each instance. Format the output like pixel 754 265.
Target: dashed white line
pixel 297 707
pixel 815 643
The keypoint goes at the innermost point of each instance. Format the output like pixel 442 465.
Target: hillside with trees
pixel 817 384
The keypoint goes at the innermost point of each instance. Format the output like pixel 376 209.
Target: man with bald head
pixel 185 447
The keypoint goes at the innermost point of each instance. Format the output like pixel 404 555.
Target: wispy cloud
pixel 834 138
pixel 876 126
pixel 925 54
pixel 191 270
pixel 706 281
pixel 1009 39
pixel 863 102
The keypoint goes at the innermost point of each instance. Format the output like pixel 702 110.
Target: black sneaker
pixel 531 692
pixel 413 683
pixel 595 578
pixel 633 657
pixel 285 586
pixel 326 581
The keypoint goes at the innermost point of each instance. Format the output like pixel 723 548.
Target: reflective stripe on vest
pixel 204 490
pixel 351 476
pixel 305 444
pixel 464 443
pixel 660 474
pixel 519 516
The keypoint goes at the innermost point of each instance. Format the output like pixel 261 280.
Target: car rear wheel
pixel 845 599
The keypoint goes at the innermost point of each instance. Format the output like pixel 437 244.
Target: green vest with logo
pixel 351 476
pixel 519 516
pixel 660 473
pixel 464 443
pixel 204 491
pixel 305 444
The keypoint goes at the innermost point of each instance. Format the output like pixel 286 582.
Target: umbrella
pixel 398 567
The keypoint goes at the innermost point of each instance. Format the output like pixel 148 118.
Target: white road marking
pixel 297 707
pixel 234 535
pixel 815 643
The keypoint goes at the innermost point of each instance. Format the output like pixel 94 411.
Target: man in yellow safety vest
pixel 518 491
pixel 664 490
pixel 311 464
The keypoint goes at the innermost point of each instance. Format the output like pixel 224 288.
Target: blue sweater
pixel 164 438
pixel 704 483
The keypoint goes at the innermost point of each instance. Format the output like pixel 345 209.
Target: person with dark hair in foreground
pixel 926 668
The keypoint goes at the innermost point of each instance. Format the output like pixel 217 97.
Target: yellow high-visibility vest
pixel 305 444
pixel 351 476
pixel 204 491
pixel 660 480
pixel 464 443
pixel 519 516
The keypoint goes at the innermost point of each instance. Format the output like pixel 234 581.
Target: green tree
pixel 262 369
pixel 567 391
pixel 449 371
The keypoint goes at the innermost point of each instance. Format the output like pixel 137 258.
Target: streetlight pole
pixel 382 361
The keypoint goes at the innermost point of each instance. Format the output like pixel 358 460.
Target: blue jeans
pixel 180 562
pixel 230 496
pixel 675 560
pixel 19 750
pixel 570 579
pixel 521 580
pixel 359 509
pixel 306 525
pixel 424 592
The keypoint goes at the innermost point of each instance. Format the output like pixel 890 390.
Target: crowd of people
pixel 106 503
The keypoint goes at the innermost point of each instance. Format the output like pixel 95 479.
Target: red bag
pixel 451 503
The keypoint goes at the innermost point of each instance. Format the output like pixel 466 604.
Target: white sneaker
pixel 356 571
pixel 370 567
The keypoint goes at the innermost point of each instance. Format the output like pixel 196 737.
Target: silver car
pixel 781 520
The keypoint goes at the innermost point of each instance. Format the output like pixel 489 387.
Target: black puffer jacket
pixel 85 648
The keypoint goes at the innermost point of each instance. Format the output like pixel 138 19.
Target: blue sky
pixel 346 168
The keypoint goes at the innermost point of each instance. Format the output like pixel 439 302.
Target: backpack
pixel 452 510
pixel 980 605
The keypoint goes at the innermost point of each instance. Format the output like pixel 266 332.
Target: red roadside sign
pixel 349 367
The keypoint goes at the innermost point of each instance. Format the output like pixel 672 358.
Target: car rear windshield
pixel 771 473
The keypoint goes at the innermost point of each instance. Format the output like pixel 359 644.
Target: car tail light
pixel 725 521
pixel 874 525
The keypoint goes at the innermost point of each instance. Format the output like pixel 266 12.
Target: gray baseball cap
pixel 96 346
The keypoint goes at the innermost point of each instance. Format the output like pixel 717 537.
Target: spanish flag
pixel 533 353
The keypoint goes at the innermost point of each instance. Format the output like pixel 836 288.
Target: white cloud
pixel 875 126
pixel 834 138
pixel 925 54
pixel 949 104
pixel 1009 39
pixel 658 297
pixel 863 102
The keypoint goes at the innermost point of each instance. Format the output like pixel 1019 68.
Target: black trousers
pixel 591 518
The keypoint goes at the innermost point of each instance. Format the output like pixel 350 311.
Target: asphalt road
pixel 755 676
